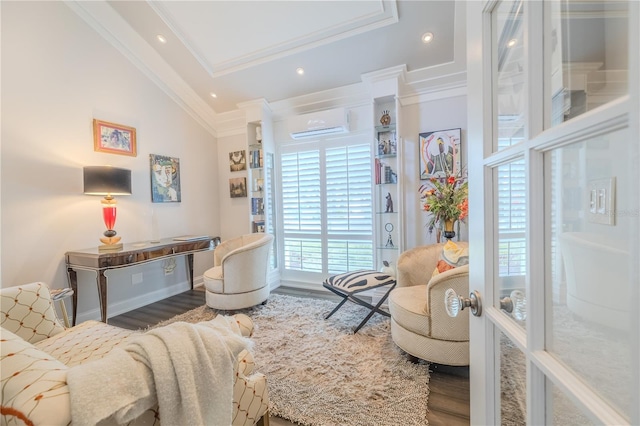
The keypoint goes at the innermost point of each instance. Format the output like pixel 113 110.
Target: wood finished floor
pixel 449 386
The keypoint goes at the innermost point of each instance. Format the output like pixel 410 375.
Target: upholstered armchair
pixel 419 322
pixel 238 278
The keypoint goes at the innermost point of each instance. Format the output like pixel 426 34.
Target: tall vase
pixel 449 233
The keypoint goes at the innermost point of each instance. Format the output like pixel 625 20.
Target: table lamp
pixel 107 181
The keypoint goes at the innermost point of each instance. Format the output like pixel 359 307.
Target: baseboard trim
pixel 136 302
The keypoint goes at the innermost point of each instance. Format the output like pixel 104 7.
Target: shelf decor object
pixel 107 181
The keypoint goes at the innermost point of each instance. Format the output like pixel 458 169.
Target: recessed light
pixel 512 42
pixel 427 37
pixel 213 95
pixel 161 38
pixel 300 71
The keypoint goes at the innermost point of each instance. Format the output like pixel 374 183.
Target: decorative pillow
pixel 27 310
pixel 34 384
pixel 451 257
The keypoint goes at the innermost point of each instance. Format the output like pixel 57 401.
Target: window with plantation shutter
pixel 512 216
pixel 327 218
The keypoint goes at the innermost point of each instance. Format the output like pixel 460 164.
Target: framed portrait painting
pixel 165 179
pixel 114 138
pixel 439 153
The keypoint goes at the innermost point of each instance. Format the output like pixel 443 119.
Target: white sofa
pixel 38 353
pixel 419 323
pixel 238 278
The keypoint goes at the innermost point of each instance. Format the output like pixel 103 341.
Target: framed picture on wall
pixel 439 153
pixel 114 138
pixel 165 179
pixel 238 187
pixel 237 161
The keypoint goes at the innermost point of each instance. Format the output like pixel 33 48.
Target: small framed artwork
pixel 238 187
pixel 165 179
pixel 114 138
pixel 439 153
pixel 237 161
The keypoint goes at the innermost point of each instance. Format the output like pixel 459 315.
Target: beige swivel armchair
pixel 419 322
pixel 238 278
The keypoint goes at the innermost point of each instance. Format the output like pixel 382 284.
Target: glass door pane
pixel 591 215
pixel 513 383
pixel 587 50
pixel 510 242
pixel 509 79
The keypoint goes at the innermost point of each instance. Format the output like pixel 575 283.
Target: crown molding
pixel 387 15
pixel 114 29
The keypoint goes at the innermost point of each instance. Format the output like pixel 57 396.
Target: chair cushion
pixel 354 282
pixel 407 308
pixel 451 257
pixel 213 280
pixel 34 384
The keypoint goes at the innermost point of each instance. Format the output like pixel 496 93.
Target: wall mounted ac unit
pixel 329 122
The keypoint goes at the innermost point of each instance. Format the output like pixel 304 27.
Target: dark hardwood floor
pixel 449 386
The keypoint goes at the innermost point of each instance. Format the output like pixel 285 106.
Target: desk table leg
pixel 190 268
pixel 101 280
pixel 73 282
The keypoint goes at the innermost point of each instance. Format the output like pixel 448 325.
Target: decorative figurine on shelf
pixel 389 227
pixel 389 203
pixel 393 148
pixel 385 120
pixel 259 134
pixel 381 148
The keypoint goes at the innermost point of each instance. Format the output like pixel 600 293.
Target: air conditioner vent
pixel 329 122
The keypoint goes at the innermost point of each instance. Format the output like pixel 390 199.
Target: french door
pixel 554 225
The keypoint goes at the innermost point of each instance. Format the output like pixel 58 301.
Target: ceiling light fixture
pixel 300 71
pixel 512 42
pixel 161 38
pixel 213 95
pixel 427 38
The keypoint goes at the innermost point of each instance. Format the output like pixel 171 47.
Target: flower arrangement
pixel 446 198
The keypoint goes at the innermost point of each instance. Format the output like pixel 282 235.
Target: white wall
pixel 57 75
pixel 426 116
pixel 235 213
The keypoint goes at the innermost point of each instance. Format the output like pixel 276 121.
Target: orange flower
pixel 451 180
pixel 464 208
pixel 427 207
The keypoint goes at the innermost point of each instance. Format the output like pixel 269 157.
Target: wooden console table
pixel 131 254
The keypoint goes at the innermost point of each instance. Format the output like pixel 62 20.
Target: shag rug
pixel 320 373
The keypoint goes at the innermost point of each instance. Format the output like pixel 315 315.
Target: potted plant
pixel 447 199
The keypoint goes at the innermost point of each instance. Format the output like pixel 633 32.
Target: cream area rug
pixel 319 373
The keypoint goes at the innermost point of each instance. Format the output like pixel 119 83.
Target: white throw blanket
pixel 187 369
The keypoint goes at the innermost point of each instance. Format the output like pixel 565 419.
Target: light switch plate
pixel 601 201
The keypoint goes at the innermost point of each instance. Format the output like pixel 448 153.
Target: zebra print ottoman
pixel 349 284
